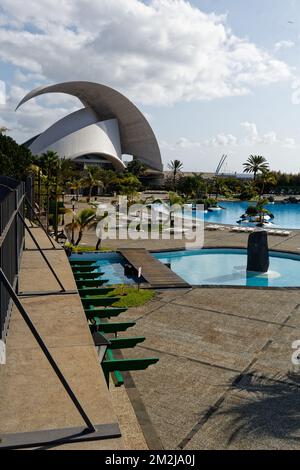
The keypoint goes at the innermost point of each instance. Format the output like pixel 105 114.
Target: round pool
pixel 285 215
pixel 227 267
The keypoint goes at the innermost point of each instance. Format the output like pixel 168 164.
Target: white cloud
pixel 222 140
pixel 250 131
pixel 159 53
pixel 289 143
pixel 284 45
pixel 2 93
pixel 162 52
pixel 253 137
pixel 185 143
pixel 33 117
pixel 250 138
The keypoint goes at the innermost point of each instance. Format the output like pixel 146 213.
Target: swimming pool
pixel 214 267
pixel 286 215
pixel 227 267
pixel 111 264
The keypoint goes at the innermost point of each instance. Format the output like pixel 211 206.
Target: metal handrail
pixel 12 237
pixel 11 245
pixel 20 307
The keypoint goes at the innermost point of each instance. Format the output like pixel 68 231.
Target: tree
pixel 174 198
pixel 262 211
pixel 91 179
pixel 49 164
pixel 256 164
pixel 15 160
pixel 93 225
pixel 66 172
pixel 175 166
pixel 80 222
pixel 193 186
pixel 108 179
pixel 75 185
pixel 128 185
pixel 252 211
pixel 136 168
pixel 219 186
pixel 248 192
pixel 267 178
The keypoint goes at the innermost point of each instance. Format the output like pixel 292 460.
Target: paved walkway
pixel 225 379
pixel 31 397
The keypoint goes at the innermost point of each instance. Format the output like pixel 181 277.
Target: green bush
pixel 252 211
pixel 247 194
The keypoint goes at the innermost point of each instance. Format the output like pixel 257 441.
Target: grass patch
pixel 81 248
pixel 131 296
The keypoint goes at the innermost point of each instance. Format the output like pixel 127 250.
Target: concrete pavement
pixel 31 396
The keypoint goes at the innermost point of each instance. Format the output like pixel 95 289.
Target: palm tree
pixel 66 171
pixel 80 222
pixel 256 164
pixel 91 179
pixel 220 186
pixel 93 225
pixel 262 211
pixel 75 185
pixel 136 167
pixel 175 198
pixel 108 178
pixel 267 178
pixel 192 186
pixel 175 166
pixel 49 163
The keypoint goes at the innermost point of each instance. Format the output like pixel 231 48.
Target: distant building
pixel 239 176
pixel 207 175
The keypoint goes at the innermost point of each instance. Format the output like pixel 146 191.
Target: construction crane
pixel 220 165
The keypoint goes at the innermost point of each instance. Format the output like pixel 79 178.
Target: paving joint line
pixel 216 406
pixel 209 364
pixel 157 307
pixel 232 315
pixel 148 313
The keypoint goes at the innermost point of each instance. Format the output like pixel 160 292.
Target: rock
pixel 258 252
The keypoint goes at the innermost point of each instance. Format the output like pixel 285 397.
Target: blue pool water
pixel 286 215
pixel 227 267
pixel 219 267
pixel 111 264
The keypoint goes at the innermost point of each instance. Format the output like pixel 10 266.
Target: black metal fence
pixel 12 200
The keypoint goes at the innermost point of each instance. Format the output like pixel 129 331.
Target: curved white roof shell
pixel 108 125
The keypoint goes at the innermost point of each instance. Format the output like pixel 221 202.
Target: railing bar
pixel 41 251
pixel 10 222
pixel 47 353
pixel 40 222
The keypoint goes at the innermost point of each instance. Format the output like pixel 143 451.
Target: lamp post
pixel 63 214
pixel 73 200
pixel 172 221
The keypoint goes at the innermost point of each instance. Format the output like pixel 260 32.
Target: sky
pixel 213 77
